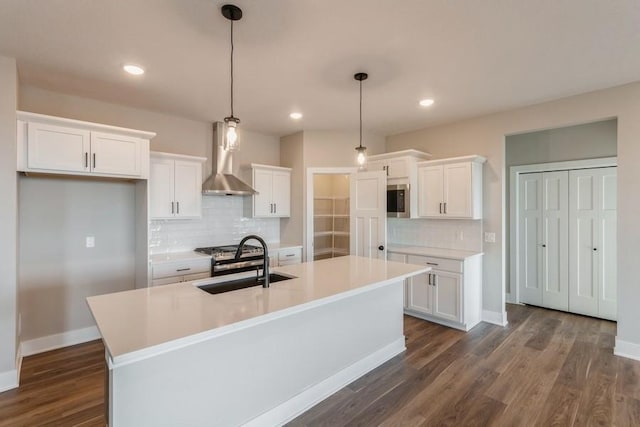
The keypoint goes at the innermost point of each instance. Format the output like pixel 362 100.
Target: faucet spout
pixel 265 264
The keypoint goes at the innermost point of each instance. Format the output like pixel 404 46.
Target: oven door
pixel 398 201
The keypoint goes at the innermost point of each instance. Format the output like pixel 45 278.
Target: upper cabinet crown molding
pixel 172 156
pixel 270 167
pixel 27 116
pixel 421 155
pixel 462 159
pixel 55 145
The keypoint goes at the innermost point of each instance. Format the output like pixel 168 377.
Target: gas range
pixel 223 260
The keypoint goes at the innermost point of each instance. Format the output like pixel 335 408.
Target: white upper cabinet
pixel 450 188
pixel 175 186
pixel 273 184
pixel 55 145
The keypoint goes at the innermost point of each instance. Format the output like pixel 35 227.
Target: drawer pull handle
pixel 289 255
pixel 432 263
pixel 183 269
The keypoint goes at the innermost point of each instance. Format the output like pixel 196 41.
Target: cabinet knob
pixel 381 248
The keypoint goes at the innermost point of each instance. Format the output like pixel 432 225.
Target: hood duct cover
pixel 223 182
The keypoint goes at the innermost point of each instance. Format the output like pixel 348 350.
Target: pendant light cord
pixel 231 68
pixel 361 113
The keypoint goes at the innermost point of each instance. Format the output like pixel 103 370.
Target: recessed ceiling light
pixel 295 116
pixel 426 102
pixel 133 69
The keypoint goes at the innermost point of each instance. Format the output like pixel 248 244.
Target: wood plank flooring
pixel 545 368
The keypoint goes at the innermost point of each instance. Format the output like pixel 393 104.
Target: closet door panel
pixel 607 254
pixel 555 258
pixel 530 250
pixel 583 293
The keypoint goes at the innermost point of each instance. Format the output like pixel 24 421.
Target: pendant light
pixel 231 142
pixel 361 152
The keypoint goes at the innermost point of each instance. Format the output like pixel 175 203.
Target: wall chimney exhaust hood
pixel 223 182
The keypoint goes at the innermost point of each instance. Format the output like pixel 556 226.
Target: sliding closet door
pixel 592 233
pixel 554 243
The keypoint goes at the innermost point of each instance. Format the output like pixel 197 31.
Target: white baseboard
pixel 8 380
pixel 495 317
pixel 302 402
pixel 52 342
pixel 627 349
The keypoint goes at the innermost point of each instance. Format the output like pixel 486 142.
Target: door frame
pixel 308 208
pixel 514 221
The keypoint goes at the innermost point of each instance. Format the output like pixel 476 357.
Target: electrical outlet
pixel 90 241
pixel 490 237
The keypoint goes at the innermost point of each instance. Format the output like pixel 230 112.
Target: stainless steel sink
pixel 234 285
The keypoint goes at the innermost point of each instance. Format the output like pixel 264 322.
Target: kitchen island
pixel 180 356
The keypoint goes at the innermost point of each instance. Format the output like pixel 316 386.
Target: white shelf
pixel 330 204
pixel 331 233
pixel 331 198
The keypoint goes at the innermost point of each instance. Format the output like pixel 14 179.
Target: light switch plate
pixel 490 237
pixel 90 241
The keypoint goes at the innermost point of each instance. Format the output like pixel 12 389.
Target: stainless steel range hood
pixel 222 181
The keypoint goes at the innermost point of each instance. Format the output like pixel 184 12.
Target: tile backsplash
pixel 223 222
pixel 436 233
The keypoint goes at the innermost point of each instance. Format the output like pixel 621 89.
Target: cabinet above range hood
pixel 222 181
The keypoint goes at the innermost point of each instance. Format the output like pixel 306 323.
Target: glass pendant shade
pixel 361 157
pixel 231 141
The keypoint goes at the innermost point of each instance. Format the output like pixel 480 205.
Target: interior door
pixel 369 214
pixel 555 243
pixel 606 249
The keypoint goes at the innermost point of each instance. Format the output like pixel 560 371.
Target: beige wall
pixel 587 141
pixel 311 149
pixel 57 271
pixel 8 216
pixel 292 156
pixel 486 136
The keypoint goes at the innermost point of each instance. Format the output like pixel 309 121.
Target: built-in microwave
pixel 398 201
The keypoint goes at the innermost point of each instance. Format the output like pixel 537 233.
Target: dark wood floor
pixel 546 368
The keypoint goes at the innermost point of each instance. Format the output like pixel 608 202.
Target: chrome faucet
pixel 265 265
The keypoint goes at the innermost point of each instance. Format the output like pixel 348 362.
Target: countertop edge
pixel 454 254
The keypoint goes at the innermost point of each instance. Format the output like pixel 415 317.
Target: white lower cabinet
pixel 285 256
pixel 450 294
pixel 165 273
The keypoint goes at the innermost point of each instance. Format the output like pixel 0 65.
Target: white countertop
pixel 177 256
pixel 143 322
pixel 278 246
pixel 433 252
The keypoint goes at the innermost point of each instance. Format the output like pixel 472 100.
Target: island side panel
pixel 269 372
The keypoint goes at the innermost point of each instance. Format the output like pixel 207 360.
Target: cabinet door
pixel 113 154
pixel 161 189
pixel 188 189
pixel 281 193
pixel 57 148
pixel 419 291
pixel 457 190
pixel 430 191
pixel 263 184
pixel 447 292
pixel 397 168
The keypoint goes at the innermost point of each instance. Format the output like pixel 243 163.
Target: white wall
pixel 8 223
pixel 57 271
pixel 292 156
pixel 486 136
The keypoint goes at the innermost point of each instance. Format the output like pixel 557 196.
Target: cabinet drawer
pixel 198 276
pixel 181 268
pixel 437 263
pixel 289 256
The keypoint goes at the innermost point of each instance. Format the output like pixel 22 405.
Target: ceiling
pixel 473 57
